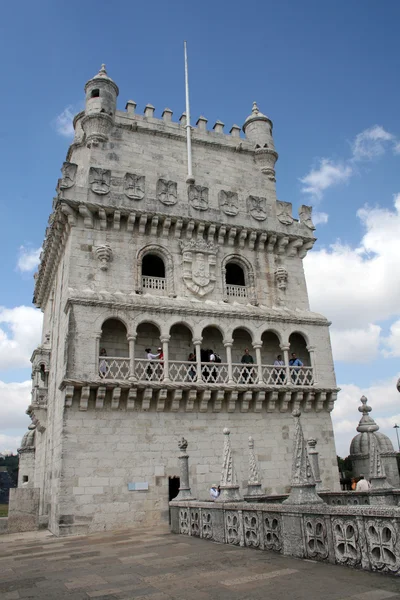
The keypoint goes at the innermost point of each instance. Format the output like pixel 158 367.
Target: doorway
pixel 173 490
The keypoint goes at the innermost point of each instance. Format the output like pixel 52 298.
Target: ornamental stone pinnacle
pixel 229 488
pixel 377 473
pixel 303 482
pixel 184 485
pixel 254 481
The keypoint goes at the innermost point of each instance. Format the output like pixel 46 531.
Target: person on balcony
pixel 363 485
pixel 160 366
pixel 103 367
pixel 213 357
pixel 295 371
pixel 247 371
pixel 150 368
pixel 280 370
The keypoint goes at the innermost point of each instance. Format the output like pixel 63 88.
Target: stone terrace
pixel 157 565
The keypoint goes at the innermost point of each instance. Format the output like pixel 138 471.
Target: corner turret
pixel 101 103
pixel 258 129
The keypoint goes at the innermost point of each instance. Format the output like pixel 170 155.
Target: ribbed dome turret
pixel 361 443
pixel 28 441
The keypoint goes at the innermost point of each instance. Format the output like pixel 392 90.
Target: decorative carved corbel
pixel 104 255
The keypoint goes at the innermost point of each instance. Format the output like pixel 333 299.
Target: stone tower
pixel 137 258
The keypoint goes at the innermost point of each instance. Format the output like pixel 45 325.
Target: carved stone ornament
pixel 228 203
pixel 167 192
pixel 229 488
pixel 99 180
pixel 199 259
pixel 134 186
pixel 104 254
pixel 284 212
pixel 68 175
pixel 281 277
pixel 198 197
pixel 305 213
pixel 257 207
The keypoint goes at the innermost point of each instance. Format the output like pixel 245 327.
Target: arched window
pixel 235 280
pixel 95 94
pixel 153 272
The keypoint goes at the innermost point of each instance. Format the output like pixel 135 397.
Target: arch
pixel 183 323
pixel 242 338
pixel 114 338
pixel 248 274
pixel 162 253
pixel 153 265
pixel 213 340
pixel 298 345
pixel 147 336
pixel 271 347
pixel 181 342
pixel 113 317
pixel 275 331
pixel 214 326
pixel 301 334
pixel 234 274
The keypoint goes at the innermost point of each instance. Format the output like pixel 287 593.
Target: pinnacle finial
pixel 103 70
pixel 255 109
pixel 366 422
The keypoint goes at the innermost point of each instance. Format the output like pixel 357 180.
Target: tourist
pixel 363 485
pixel 215 491
pixel 247 371
pixel 280 371
pixel 150 368
pixel 103 366
pixel 297 364
pixel 353 483
pixel 160 366
pixel 214 358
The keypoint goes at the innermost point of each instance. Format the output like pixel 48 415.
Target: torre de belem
pixel 138 256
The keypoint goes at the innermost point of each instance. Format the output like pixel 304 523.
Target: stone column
pixel 131 339
pixel 257 348
pixel 184 487
pixel 285 350
pixel 197 347
pixel 313 457
pixel 98 338
pixel 228 348
pixel 229 489
pixel 311 350
pixel 164 340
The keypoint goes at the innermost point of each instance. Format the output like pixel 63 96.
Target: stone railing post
pixel 285 350
pixel 97 350
pixel 131 340
pixel 184 487
pixel 229 489
pixel 228 347
pixel 257 347
pixel 313 457
pixel 164 340
pixel 197 348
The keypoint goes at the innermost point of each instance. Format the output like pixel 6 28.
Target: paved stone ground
pixel 157 565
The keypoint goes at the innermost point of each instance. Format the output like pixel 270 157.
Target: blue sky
pixel 326 74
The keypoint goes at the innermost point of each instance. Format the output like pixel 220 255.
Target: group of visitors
pixel 360 484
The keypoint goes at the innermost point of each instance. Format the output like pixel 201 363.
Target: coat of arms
pixel 257 207
pixel 99 180
pixel 134 186
pixel 198 197
pixel 199 259
pixel 167 191
pixel 228 203
pixel 284 212
pixel 305 213
pixel 68 175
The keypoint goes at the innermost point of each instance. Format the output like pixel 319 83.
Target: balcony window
pixel 235 282
pixel 153 273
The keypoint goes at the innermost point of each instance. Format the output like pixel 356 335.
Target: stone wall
pixel 23 510
pixel 362 537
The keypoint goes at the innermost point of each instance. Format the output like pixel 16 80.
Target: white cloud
pixel 14 400
pixel 371 143
pixel 63 122
pixel 327 174
pixel 356 345
pixel 361 285
pixel 383 398
pixel 320 218
pixel 20 333
pixel 392 342
pixel 28 259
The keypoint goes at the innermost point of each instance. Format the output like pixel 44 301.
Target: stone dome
pixel 28 441
pixel 361 443
pixel 102 76
pixel 256 115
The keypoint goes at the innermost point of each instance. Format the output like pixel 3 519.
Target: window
pixel 95 94
pixel 234 274
pixel 153 272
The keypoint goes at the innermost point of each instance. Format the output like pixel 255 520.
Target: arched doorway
pixel 244 367
pixel 212 371
pixel 148 343
pixel 182 355
pixel 273 369
pixel 114 350
pixel 299 360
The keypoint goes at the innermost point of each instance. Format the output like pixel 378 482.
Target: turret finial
pixel 255 109
pixel 103 70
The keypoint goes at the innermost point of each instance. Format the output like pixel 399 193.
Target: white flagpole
pixel 190 178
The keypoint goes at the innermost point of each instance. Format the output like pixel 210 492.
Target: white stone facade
pixel 136 257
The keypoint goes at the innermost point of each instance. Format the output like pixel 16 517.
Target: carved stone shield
pixel 305 213
pixel 134 186
pixel 68 175
pixel 199 259
pixel 257 207
pixel 228 203
pixel 284 212
pixel 99 180
pixel 167 191
pixel 198 197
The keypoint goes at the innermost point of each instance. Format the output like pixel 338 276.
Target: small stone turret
pixel 258 129
pixel 101 103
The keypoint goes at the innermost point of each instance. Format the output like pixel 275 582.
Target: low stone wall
pixel 365 537
pixel 23 510
pixel 3 525
pixel 385 497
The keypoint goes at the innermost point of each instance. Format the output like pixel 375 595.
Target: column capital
pixel 131 337
pixel 228 343
pixel 164 339
pixel 284 347
pixel 197 341
pixel 310 348
pixel 98 335
pixel 257 345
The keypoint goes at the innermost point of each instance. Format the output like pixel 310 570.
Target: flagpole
pixel 190 178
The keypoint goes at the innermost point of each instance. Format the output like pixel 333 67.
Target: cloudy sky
pixel 326 74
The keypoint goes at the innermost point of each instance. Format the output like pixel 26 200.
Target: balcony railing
pixel 153 283
pixel 111 367
pixel 236 291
